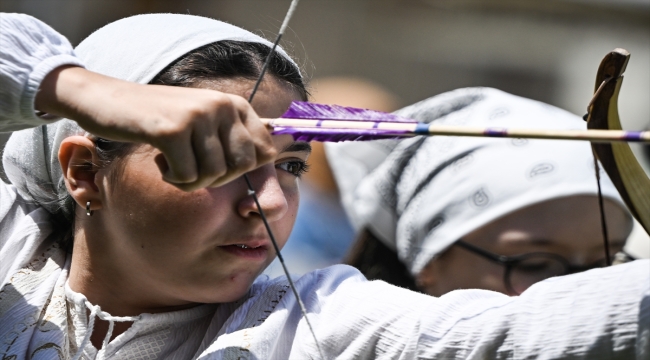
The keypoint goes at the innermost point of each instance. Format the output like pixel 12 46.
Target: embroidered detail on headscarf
pixel 541 169
pixel 480 198
pixel 499 112
pixel 519 142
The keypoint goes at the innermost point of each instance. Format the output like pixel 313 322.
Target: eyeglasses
pixel 524 270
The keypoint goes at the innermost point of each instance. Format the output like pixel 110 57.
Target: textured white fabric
pixel 431 191
pixel 600 314
pixel 29 50
pixel 135 49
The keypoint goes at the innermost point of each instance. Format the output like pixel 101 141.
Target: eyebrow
pixel 297 146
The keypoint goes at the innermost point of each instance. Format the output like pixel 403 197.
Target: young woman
pixel 442 213
pixel 166 266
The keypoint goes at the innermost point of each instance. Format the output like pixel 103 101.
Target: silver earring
pixel 88 211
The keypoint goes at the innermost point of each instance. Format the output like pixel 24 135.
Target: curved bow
pixel 617 159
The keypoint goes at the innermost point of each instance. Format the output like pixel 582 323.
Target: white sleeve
pixel 599 314
pixel 29 50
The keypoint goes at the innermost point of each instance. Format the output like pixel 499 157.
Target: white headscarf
pixel 134 49
pixel 429 192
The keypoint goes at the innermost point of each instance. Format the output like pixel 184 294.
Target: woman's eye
pixel 295 168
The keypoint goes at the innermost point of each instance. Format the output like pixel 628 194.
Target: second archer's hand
pixel 207 138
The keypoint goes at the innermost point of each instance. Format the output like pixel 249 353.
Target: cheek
pixel 284 225
pixel 150 209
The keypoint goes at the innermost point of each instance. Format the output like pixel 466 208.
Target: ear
pixel 78 160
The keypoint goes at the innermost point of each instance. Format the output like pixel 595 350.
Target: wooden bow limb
pixel 617 159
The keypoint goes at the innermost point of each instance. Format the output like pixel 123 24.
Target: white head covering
pixel 429 192
pixel 135 49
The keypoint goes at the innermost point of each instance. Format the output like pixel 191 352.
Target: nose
pixel 269 193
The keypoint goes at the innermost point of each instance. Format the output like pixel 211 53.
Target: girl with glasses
pixel 446 213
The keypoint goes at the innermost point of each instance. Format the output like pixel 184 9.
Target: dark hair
pixel 230 59
pixel 377 261
pixel 218 60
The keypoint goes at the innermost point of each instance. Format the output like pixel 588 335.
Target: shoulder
pixel 331 277
pixel 327 279
pixel 337 285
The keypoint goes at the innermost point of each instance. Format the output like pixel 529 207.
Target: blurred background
pixel 402 51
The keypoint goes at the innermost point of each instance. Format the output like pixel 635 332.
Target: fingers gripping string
pixel 251 190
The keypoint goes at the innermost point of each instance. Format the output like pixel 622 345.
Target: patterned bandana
pixel 429 192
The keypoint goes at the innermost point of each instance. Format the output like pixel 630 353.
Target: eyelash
pixel 301 167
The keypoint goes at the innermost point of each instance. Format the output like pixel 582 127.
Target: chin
pixel 225 290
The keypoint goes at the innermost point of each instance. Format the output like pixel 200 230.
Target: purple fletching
pixel 313 111
pixel 337 135
pixel 307 110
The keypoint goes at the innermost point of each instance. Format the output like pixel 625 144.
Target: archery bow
pixel 618 160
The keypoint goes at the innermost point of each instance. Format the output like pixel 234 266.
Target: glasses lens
pixel 534 268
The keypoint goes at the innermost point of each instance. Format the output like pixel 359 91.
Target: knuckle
pixel 239 102
pixel 267 152
pixel 168 130
pixel 222 102
pixel 223 110
pixel 245 162
pixel 241 106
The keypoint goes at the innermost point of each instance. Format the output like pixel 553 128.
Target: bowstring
pixel 251 190
pixel 601 208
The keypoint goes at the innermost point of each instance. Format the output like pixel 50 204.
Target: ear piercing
pixel 88 211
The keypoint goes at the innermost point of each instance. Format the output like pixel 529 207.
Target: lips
pixel 252 250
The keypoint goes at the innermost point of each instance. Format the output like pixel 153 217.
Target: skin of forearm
pixel 75 93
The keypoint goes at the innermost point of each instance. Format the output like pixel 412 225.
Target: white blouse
pixel 599 314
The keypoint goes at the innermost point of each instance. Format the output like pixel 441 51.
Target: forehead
pixel 568 221
pixel 271 100
pixel 285 144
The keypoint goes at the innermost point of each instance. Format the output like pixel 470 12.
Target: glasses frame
pixel 509 262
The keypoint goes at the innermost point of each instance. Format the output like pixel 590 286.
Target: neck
pixel 98 273
pixel 107 278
